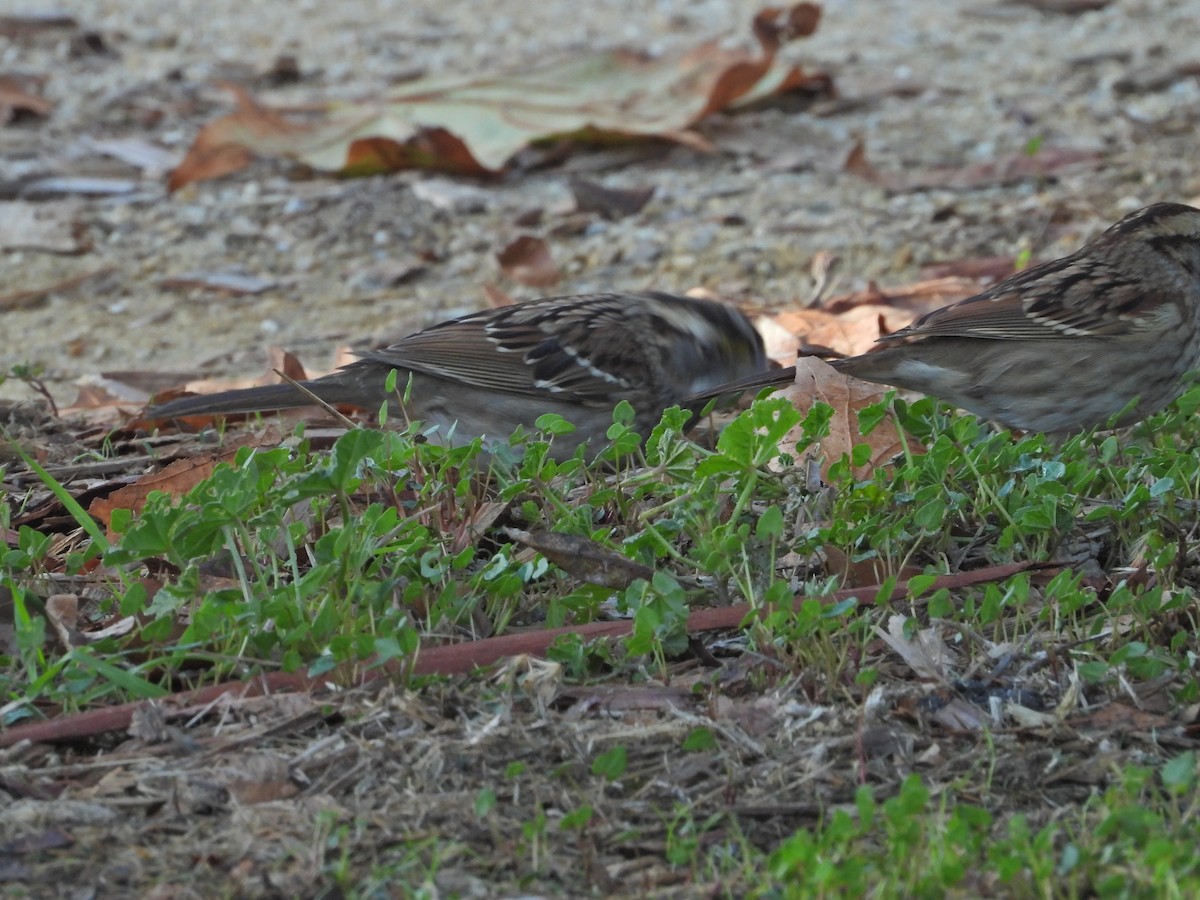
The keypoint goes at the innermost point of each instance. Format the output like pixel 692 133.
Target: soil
pixel 930 88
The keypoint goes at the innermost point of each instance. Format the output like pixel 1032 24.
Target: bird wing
pixel 1082 295
pixel 530 348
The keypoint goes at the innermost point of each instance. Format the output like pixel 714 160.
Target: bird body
pixel 487 373
pixel 1068 344
pixel 1106 334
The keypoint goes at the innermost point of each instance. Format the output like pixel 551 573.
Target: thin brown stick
pixel 452 659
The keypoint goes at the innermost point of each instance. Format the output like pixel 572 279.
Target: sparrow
pixel 488 373
pixel 1102 337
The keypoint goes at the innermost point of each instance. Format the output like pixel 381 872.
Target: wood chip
pixel 233 283
pixel 44 227
pixel 31 298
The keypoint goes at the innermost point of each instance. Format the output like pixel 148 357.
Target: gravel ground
pixel 925 85
pixel 931 88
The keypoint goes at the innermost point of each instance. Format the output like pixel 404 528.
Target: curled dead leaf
pixel 528 261
pixel 584 559
pixel 18 98
pixel 178 478
pixel 775 25
pixel 287 363
pixel 62 612
pixel 611 203
pixel 850 332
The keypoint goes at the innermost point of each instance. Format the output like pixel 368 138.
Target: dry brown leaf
pixel 280 360
pixel 851 332
pixel 527 260
pixel 92 397
pixel 221 147
pixel 1120 718
pixel 477 523
pixel 583 558
pixel 780 342
pixel 477 125
pixel 850 324
pixel 62 611
pixel 817 381
pixel 18 98
pixel 257 778
pixel 856 163
pixel 611 203
pixel 775 26
pixel 863 572
pixel 179 477
pixel 1010 170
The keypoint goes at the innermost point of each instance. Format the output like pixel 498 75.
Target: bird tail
pixel 256 399
pixel 774 378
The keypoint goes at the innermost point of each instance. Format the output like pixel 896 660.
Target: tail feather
pixel 770 378
pixel 256 399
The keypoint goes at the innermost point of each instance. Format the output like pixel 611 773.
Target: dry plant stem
pixel 458 658
pixel 316 400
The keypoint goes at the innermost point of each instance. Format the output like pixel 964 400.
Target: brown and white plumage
pixel 1068 344
pixel 1064 346
pixel 489 372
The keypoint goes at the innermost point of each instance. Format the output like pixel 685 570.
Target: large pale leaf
pixel 476 125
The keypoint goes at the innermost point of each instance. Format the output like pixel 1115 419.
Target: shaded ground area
pixel 480 788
